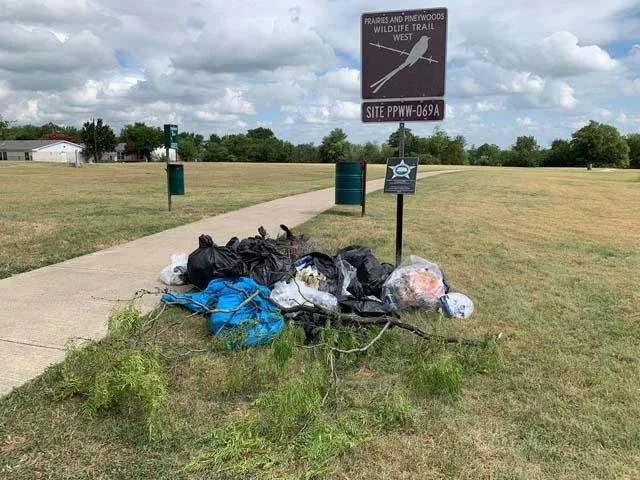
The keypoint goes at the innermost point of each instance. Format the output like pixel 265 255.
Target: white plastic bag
pixel 297 293
pixel 175 273
pixel 417 284
pixel 457 305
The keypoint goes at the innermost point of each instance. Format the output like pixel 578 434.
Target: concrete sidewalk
pixel 45 309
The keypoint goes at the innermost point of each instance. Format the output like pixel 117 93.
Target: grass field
pixel 52 212
pixel 551 260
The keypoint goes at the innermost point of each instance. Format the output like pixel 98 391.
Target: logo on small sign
pixel 401 170
pixel 401 175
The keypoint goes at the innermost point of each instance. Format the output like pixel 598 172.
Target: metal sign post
pixel 400 179
pixel 170 141
pixel 400 204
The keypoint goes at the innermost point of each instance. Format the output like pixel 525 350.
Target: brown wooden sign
pixel 404 54
pixel 403 111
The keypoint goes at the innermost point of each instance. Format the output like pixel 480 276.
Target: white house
pixel 60 151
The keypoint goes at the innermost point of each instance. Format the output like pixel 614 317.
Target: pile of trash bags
pixel 247 285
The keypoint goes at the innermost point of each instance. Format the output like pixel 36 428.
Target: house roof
pixel 29 145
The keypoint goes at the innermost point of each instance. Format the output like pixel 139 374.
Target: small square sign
pixel 171 136
pixel 401 175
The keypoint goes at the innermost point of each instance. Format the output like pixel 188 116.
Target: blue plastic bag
pixel 243 316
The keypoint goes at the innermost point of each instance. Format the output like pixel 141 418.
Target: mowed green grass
pixel 53 212
pixel 551 260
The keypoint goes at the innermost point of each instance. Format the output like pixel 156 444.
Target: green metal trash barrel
pixel 176 178
pixel 348 183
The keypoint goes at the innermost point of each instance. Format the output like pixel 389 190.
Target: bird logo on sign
pixel 401 170
pixel 416 54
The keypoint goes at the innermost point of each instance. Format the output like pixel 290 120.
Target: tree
pixel 215 152
pixel 559 155
pixel 237 146
pixel 187 150
pixel 59 136
pixel 633 140
pixel 334 147
pixel 601 145
pixel 437 144
pixel 98 138
pixel 409 142
pixel 27 132
pixel 454 153
pixel 372 153
pixel 142 139
pixel 195 138
pixel 190 146
pixel 487 155
pixel 260 133
pixel 305 153
pixel 4 125
pixel 525 153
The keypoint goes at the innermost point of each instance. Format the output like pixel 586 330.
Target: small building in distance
pixel 59 151
pixel 63 151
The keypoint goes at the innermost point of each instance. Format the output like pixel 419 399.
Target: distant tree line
pixel 596 143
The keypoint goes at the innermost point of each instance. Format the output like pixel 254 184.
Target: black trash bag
pixel 233 243
pixel 263 262
pixel 325 265
pixel 366 307
pixel 355 288
pixel 312 324
pixel 210 261
pixel 371 273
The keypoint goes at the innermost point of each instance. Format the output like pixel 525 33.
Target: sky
pixel 541 68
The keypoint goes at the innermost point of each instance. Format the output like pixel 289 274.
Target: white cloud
pixel 556 55
pixel 346 79
pixel 221 66
pixel 233 102
pixel 323 113
pixel 488 105
pixel 560 55
pixel 525 122
pixel 253 44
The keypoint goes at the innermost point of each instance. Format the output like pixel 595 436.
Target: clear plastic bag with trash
pixel 417 284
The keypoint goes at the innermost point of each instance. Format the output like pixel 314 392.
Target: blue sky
pixel 513 68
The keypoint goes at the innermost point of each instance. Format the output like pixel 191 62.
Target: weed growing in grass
pixel 283 346
pixel 442 375
pixel 124 322
pixel 242 448
pixel 247 372
pixel 115 373
pixel 481 359
pixel 287 409
pixel 235 449
pixel 327 439
pixel 395 412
